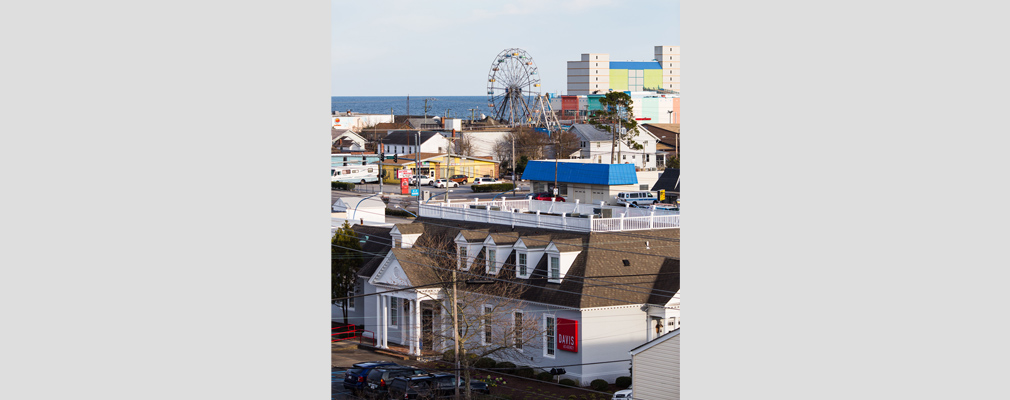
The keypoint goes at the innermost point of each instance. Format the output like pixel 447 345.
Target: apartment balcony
pixel 554 215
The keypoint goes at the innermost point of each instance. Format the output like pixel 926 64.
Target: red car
pixel 545 196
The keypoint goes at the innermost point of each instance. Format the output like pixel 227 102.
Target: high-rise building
pixel 595 73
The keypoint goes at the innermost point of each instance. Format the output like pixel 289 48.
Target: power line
pixel 541 275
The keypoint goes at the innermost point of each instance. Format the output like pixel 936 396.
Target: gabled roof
pixel 408 138
pixel 664 337
pixel 597 277
pixel 424 122
pixel 504 238
pixel 590 133
pixel 376 246
pixel 474 235
pixel 536 241
pixel 409 229
pixel 669 181
pixel 586 173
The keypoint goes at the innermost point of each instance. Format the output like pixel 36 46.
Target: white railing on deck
pixel 625 219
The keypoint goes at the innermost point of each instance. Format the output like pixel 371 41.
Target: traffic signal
pixel 662 194
pixel 395 158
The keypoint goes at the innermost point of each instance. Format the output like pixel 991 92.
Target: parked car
pixel 622 394
pixel 431 386
pixel 545 196
pixel 425 180
pixel 637 198
pixel 485 181
pixel 442 182
pixel 378 380
pixel 354 378
pixel 459 178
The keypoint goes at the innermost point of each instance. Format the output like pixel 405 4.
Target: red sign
pixel 568 335
pixel 404 186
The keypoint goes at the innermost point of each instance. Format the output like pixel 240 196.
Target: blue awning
pixel 585 173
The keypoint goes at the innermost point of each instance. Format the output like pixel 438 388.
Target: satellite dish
pixel 482 116
pixel 436 117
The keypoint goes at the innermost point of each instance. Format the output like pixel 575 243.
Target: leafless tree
pixel 464 145
pixel 486 308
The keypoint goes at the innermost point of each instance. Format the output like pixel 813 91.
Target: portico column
pixel 385 321
pixel 417 325
pixel 378 319
pixel 407 322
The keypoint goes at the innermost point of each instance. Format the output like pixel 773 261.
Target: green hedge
pixel 342 185
pixel 623 382
pixel 525 372
pixel 398 213
pixel 494 187
pixel 485 362
pixel 506 367
pixel 567 382
pixel 545 376
pixel 599 385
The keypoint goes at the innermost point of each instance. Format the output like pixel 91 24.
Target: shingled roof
pixel 377 244
pixel 410 229
pixel 598 276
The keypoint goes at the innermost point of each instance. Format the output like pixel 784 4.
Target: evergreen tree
pixel 346 259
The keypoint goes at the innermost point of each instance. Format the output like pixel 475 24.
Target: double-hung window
pixel 519 330
pixel 490 261
pixel 462 257
pixel 522 264
pixel 487 324
pixel 555 268
pixel 549 335
pixel 394 307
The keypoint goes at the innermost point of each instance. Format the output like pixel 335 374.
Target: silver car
pixel 442 182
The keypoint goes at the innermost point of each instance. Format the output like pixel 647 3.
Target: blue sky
pixel 445 48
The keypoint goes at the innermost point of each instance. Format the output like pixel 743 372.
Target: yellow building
pixel 440 166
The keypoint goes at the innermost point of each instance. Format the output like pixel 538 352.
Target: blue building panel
pixel 584 173
pixel 635 65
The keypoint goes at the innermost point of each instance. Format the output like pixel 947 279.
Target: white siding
pixel 657 371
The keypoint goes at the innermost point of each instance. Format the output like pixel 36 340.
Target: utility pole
pixel 417 169
pixel 408 106
pixel 471 115
pixel 557 143
pixel 455 319
pixel 382 161
pixel 513 161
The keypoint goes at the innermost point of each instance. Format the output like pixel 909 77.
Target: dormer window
pixel 522 264
pixel 492 267
pixel 462 257
pixel 555 268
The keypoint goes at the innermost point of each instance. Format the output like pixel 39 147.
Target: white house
pixel 593 295
pixel 656 368
pixel 406 142
pixel 596 144
pixel 361 208
pixel 348 140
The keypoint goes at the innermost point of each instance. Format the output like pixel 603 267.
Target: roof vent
pixel 626 263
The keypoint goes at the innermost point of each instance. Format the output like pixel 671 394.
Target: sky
pixel 445 48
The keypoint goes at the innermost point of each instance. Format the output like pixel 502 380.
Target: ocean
pixel 458 106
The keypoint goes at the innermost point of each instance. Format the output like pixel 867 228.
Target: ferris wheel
pixel 513 86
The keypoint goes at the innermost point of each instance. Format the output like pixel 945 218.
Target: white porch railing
pixel 544 214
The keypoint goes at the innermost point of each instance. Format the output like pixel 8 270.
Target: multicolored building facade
pixel 649 107
pixel 595 73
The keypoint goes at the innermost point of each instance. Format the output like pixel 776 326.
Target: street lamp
pixel 405 210
pixel 355 212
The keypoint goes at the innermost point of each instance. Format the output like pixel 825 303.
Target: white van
pixel 637 198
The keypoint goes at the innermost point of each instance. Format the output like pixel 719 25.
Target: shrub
pixel 567 382
pixel 485 362
pixel 506 367
pixel 545 376
pixel 342 185
pixel 599 385
pixel 494 187
pixel 398 213
pixel 448 355
pixel 525 372
pixel 623 382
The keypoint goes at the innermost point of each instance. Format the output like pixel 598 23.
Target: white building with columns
pixel 593 295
